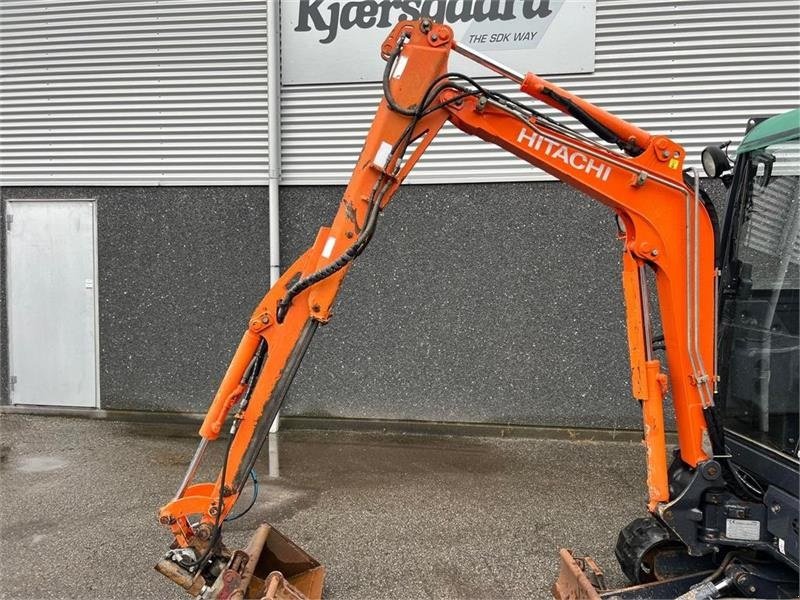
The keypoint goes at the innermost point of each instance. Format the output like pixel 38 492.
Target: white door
pixel 52 302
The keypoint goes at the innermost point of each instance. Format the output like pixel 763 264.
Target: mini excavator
pixel 723 508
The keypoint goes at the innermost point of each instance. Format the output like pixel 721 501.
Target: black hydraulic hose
pixel 716 435
pixel 424 109
pixel 250 376
pixel 417 112
pixel 421 110
pixel 372 218
pixel 254 370
pixel 252 500
pixel 387 73
pixel 346 257
pixel 593 124
pixel 413 111
pixel 201 563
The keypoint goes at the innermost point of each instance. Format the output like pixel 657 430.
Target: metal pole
pixel 274 132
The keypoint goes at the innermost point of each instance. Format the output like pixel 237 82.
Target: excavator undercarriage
pixel 708 526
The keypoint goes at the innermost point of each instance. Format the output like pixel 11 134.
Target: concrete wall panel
pixel 478 303
pixel 473 303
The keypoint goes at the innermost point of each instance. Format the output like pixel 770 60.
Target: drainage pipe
pixel 274 132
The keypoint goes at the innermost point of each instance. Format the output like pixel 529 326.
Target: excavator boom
pixel 663 224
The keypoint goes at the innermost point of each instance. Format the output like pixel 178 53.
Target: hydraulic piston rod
pixel 489 63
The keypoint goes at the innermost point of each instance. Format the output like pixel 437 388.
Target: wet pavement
pixel 390 516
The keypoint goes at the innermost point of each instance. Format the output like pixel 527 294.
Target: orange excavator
pixel 708 525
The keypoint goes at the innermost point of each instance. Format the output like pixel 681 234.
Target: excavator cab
pixel 759 342
pixel 759 347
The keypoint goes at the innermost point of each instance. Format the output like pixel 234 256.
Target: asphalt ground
pixel 390 516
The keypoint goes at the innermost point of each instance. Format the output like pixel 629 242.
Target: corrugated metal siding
pixel 174 91
pixel 133 92
pixel 693 70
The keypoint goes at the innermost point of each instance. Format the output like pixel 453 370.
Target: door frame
pixel 93 203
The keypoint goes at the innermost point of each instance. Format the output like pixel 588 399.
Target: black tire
pixel 637 545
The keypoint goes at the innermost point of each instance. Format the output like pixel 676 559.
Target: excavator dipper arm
pixel 662 226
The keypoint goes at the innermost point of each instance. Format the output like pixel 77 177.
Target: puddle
pixel 39 464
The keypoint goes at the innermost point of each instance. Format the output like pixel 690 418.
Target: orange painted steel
pixel 654 436
pixel 635 324
pixel 548 92
pixel 658 212
pixel 648 384
pixel 664 228
pixel 376 166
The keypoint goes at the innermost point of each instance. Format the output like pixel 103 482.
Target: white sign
pixel 338 41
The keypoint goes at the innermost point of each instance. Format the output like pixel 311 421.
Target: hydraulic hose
pixel 345 258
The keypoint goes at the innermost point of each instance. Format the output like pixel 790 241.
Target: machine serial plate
pixel 742 529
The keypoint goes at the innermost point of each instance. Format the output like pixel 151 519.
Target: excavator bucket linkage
pixel 580 578
pixel 271 567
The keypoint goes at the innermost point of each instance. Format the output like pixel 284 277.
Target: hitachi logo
pixel 330 17
pixel 573 158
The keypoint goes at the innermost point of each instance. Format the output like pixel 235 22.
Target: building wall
pixel 179 269
pixel 477 303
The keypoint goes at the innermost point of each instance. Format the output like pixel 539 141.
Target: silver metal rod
pixel 198 455
pixel 704 383
pixel 489 63
pixel 260 434
pixel 716 317
pixel 646 326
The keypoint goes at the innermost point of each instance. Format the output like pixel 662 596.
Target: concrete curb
pixel 300 423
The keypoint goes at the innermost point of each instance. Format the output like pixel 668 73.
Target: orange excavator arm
pixel 663 226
